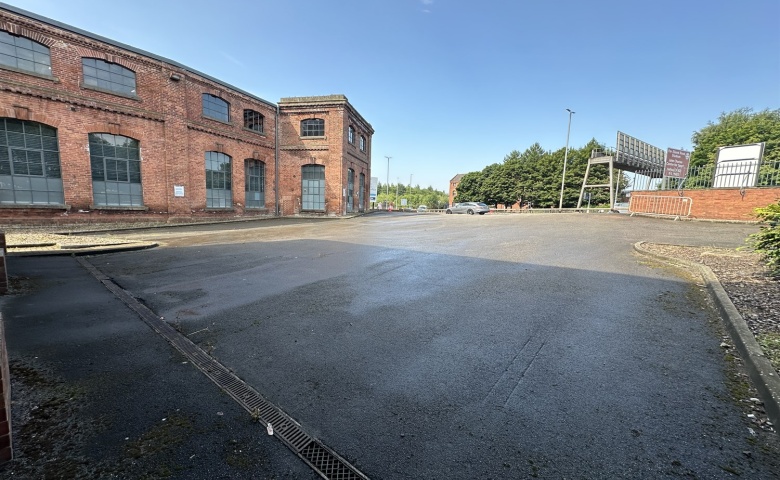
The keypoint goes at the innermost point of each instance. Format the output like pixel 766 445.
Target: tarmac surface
pixel 415 346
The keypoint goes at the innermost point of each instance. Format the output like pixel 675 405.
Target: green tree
pixel 739 127
pixel 470 188
pixel 742 126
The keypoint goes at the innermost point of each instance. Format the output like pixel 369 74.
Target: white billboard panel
pixel 737 165
pixel 374 185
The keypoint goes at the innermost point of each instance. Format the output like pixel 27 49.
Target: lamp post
pixel 387 184
pixel 565 158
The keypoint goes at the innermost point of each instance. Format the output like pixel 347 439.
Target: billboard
pixel 677 162
pixel 737 165
pixel 634 155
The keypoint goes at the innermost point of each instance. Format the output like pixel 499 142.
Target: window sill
pixel 217 209
pixel 32 74
pixel 35 205
pixel 312 137
pixel 261 133
pixel 217 120
pixel 110 92
pixel 119 207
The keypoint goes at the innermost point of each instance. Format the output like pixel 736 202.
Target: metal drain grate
pixel 329 464
pixel 322 459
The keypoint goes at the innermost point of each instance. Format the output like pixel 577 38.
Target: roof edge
pixel 70 28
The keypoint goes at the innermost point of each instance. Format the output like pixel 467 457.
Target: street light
pixel 387 184
pixel 565 158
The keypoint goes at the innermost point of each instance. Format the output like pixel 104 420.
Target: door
pixel 313 188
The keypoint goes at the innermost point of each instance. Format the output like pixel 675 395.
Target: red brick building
pixel 91 129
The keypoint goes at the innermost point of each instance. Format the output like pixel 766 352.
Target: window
pixel 216 108
pixel 108 76
pixel 116 170
pixel 218 181
pixel 362 143
pixel 313 187
pixel 313 127
pixel 253 120
pixel 255 184
pixel 351 135
pixel 29 163
pixel 24 54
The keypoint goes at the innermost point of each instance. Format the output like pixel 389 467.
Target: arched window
pixel 216 108
pixel 313 187
pixel 24 54
pixel 313 127
pixel 29 163
pixel 254 178
pixel 253 120
pixel 111 77
pixel 362 143
pixel 116 170
pixel 218 181
pixel 351 135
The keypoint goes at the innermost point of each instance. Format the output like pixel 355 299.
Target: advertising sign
pixel 634 155
pixel 374 186
pixel 737 165
pixel 676 163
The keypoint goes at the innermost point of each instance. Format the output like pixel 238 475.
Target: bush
pixel 767 240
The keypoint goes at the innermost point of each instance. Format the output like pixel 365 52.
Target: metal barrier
pixel 661 205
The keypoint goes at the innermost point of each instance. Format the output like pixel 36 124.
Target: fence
pixel 735 175
pixel 672 206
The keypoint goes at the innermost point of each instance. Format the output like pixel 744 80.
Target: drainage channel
pixel 327 463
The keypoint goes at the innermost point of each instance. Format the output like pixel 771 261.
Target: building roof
pixel 324 100
pixel 63 26
pixel 457 178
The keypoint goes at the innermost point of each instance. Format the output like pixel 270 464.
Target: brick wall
pixel 723 203
pixel 166 117
pixel 332 150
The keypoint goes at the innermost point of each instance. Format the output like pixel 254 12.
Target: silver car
pixel 469 207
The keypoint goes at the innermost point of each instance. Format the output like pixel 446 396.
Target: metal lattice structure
pixel 630 155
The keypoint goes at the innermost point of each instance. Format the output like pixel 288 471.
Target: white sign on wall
pixel 178 190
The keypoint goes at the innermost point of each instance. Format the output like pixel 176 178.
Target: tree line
pixel 415 196
pixel 533 178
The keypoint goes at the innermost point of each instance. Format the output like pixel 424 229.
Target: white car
pixel 469 207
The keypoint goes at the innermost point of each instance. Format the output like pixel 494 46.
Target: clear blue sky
pixel 451 86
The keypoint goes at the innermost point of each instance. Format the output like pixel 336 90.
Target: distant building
pixel 93 130
pixel 454 186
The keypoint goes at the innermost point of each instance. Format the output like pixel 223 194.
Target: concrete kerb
pixel 120 247
pixel 761 371
pixel 93 250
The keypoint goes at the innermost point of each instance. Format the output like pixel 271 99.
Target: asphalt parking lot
pixel 414 346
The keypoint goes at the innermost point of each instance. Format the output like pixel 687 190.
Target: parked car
pixel 422 209
pixel 469 208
